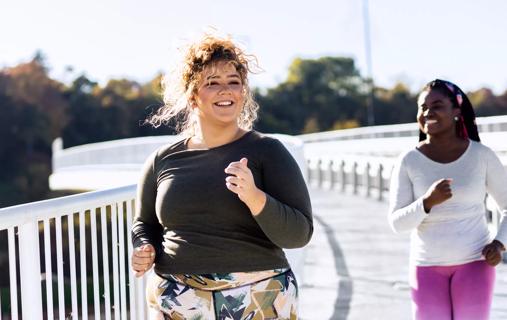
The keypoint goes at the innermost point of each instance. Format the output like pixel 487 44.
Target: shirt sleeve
pixel 286 218
pixel 405 212
pixel 146 228
pixel 496 186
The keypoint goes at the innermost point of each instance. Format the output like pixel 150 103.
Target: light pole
pixel 367 47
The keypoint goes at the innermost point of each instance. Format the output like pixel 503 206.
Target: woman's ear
pixel 456 112
pixel 192 103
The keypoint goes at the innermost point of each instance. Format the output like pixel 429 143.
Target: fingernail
pixel 152 254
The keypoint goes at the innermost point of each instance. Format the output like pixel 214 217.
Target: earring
pixel 456 118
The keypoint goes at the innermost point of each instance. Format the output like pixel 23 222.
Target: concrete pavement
pixel 357 268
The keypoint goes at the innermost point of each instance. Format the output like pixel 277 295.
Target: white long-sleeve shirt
pixel 455 231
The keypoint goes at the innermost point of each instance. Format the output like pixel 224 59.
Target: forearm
pixel 407 218
pixel 285 226
pixel 256 202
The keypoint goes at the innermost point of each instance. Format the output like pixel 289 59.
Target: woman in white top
pixel 437 194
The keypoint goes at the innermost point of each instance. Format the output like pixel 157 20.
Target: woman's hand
pixel 493 252
pixel 142 259
pixel 242 183
pixel 439 192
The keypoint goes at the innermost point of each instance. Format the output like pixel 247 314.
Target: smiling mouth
pixel 431 121
pixel 222 104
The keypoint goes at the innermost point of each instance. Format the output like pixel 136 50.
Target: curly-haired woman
pixel 215 209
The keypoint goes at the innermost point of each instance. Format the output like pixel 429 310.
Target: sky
pixel 411 41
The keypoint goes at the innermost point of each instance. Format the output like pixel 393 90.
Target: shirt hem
pixel 220 269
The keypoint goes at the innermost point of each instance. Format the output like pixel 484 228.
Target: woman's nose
pixel 428 112
pixel 224 89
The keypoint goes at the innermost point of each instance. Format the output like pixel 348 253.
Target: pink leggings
pixel 462 292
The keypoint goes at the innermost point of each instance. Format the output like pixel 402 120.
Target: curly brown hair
pixel 180 85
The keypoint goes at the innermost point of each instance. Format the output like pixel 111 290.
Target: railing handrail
pixel 375 131
pixel 51 208
pixel 107 145
pixel 361 131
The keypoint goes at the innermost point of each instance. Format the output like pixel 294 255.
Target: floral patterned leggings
pixel 270 294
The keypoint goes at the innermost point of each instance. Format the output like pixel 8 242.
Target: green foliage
pixel 27 128
pixel 396 105
pixel 316 94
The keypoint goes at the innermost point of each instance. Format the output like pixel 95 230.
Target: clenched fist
pixel 142 259
pixel 493 252
pixel 241 182
pixel 437 193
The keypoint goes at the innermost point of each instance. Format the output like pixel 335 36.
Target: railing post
pixel 331 174
pixel 57 147
pixel 320 173
pixel 380 181
pixel 29 271
pixel 309 171
pixel 367 179
pixel 355 177
pixel 343 175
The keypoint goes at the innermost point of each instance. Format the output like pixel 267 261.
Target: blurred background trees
pixel 322 94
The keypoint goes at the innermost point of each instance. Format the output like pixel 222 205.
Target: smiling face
pixel 436 113
pixel 220 95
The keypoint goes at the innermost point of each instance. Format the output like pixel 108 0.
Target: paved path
pixel 356 267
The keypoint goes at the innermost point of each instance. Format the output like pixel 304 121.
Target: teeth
pixel 431 121
pixel 224 103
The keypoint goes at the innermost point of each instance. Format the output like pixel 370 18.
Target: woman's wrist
pixel 427 205
pixel 257 202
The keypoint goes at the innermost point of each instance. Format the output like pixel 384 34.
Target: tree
pixel 30 83
pixel 316 95
pixel 396 105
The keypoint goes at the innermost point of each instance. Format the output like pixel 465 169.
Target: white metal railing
pixel 115 152
pixel 484 124
pixel 56 222
pixel 359 174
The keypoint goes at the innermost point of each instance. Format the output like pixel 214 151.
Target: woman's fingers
pixel 493 260
pixel 142 259
pixel 235 180
pixel 233 188
pixel 492 255
pixel 239 176
pixel 140 266
pixel 238 167
pixel 144 254
pixel 237 171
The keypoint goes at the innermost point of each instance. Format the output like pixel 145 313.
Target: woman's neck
pixel 210 137
pixel 443 140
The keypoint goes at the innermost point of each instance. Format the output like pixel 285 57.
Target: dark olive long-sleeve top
pixel 198 226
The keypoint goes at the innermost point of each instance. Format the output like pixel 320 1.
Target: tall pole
pixel 367 47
